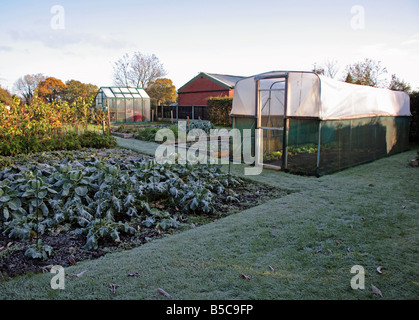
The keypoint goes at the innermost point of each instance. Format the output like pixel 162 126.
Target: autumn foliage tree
pixel 5 96
pixel 162 91
pixel 76 89
pixel 51 89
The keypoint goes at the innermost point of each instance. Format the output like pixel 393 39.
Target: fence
pixel 180 112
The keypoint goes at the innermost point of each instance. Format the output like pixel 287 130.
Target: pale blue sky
pixel 232 37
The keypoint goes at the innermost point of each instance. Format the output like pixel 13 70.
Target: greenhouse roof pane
pixel 123 93
pixel 108 92
pixel 143 93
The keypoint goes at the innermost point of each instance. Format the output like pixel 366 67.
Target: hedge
pixel 414 124
pixel 219 109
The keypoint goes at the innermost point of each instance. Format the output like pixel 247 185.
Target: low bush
pixel 13 145
pixel 45 126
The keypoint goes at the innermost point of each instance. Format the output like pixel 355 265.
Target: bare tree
pixel 27 84
pixel 121 74
pixel 318 69
pixel 140 70
pixel 331 68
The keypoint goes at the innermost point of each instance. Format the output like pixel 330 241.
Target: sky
pixel 81 40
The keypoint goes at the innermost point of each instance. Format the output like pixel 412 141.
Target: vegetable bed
pixel 58 208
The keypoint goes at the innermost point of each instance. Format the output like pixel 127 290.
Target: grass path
pixel 367 215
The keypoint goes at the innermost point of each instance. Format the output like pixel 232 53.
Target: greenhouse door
pixel 271 99
pixel 129 110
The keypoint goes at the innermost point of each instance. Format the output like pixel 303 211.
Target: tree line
pixel 366 72
pixel 48 89
pixel 136 70
pixel 147 72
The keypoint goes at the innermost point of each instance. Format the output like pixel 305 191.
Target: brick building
pixel 205 85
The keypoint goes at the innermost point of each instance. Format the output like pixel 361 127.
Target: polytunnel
pixel 306 123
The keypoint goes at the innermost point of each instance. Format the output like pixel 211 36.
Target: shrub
pixel 148 134
pixel 43 127
pixel 90 139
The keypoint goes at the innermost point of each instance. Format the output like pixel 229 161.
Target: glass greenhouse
pixel 305 123
pixel 126 104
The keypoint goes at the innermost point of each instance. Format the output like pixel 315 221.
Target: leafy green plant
pixel 292 150
pixel 206 126
pixel 161 220
pixel 304 148
pixel 103 199
pixel 39 250
pixel 97 229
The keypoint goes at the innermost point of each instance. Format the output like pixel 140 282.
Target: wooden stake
pixel 109 117
pixel 85 116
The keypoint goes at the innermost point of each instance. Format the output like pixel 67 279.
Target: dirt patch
pixel 67 250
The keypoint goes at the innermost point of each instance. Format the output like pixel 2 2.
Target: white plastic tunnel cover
pixel 311 95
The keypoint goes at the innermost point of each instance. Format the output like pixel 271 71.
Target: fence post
pixel 177 112
pixel 193 112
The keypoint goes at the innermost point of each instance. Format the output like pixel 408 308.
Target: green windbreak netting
pixel 343 143
pixel 347 143
pixel 302 139
pixel 243 124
